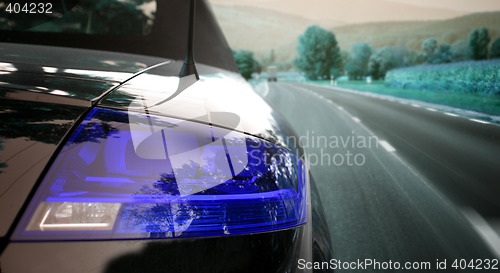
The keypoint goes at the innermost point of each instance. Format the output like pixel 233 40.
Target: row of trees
pixel 476 48
pixel 366 61
pixel 319 56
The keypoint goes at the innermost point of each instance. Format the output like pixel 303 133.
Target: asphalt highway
pixel 393 177
pixel 458 155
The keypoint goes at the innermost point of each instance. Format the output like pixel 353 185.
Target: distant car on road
pixel 272 73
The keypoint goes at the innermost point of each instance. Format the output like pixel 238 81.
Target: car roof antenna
pixel 189 66
pixel 188 74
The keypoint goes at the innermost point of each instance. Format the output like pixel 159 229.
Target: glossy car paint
pixel 218 98
pixel 266 252
pixel 258 120
pixel 29 134
pixel 41 101
pixel 295 242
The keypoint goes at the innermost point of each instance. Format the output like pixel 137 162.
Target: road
pixel 386 170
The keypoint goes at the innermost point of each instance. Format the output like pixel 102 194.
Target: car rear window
pixel 109 17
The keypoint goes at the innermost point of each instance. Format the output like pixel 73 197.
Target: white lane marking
pixel 266 89
pixel 383 143
pixel 451 114
pixel 480 121
pixel 483 228
pixel 387 146
pixel 356 119
pixel 415 105
pixel 431 109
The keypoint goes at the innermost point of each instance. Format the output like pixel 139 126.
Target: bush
pixel 246 63
pixel 387 58
pixel 481 77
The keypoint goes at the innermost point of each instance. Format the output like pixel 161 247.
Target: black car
pixel 117 157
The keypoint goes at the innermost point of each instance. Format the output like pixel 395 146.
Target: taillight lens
pixel 123 175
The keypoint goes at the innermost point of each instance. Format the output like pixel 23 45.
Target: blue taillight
pixel 123 175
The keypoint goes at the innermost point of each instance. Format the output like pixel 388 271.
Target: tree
pixel 385 59
pixel 442 54
pixel 459 51
pixel 495 49
pixel 246 63
pixel 344 58
pixel 429 46
pixel 357 66
pixel 318 53
pixel 410 57
pixel 478 44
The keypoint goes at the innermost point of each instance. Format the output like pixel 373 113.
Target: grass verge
pixel 488 104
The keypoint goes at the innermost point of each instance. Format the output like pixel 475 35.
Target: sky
pixel 461 5
pixel 362 11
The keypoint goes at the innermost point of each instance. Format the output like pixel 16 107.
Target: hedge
pixel 477 77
